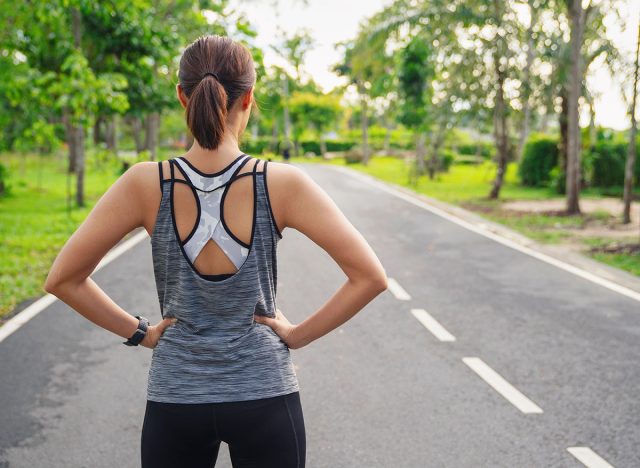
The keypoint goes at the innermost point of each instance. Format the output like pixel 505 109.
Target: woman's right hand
pixel 281 325
pixel 154 332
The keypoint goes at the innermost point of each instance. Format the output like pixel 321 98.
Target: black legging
pixel 263 433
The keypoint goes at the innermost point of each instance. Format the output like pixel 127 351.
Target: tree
pixel 577 19
pixel 631 155
pixel 293 49
pixel 317 110
pixel 416 74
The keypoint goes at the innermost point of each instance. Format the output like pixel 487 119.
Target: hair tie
pixel 212 74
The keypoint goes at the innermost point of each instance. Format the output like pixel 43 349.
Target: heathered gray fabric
pixel 216 352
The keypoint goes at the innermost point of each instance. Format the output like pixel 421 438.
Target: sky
pixel 331 21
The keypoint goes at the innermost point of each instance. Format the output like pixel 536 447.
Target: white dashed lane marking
pixel 397 290
pixel 504 388
pixel 432 325
pixel 588 457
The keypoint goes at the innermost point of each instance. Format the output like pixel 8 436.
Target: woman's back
pixel 214 255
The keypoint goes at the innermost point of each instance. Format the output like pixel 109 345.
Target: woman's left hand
pixel 281 325
pixel 154 332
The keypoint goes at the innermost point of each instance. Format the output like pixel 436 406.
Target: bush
pixel 4 176
pixel 558 180
pixel 466 159
pixel 539 159
pixel 605 165
pixel 354 155
pixel 446 160
pixel 255 146
pixel 484 149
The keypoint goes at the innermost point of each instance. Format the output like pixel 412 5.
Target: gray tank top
pixel 216 352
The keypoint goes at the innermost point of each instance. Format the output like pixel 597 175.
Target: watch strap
pixel 140 333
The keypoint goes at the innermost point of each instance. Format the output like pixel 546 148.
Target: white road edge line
pixel 504 388
pixel 432 325
pixel 397 290
pixel 496 237
pixel 22 317
pixel 588 457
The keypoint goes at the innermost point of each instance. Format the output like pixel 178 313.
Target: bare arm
pixel 311 211
pixel 118 212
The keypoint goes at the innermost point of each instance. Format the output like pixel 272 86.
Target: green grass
pixel 627 262
pixel 461 183
pixel 36 221
pixel 469 185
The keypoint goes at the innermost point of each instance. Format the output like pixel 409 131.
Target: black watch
pixel 140 333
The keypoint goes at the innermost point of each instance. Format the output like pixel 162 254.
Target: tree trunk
pixel 152 126
pixel 419 167
pixel 631 155
pixel 323 145
pixel 287 119
pixel 97 134
pixel 500 131
pixel 71 135
pixel 563 122
pixel 136 130
pixel 526 85
pixel 364 122
pixel 436 144
pixel 386 146
pixel 111 137
pixel 576 14
pixel 273 145
pixel 80 159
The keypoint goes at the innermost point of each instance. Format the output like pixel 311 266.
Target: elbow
pixel 379 282
pixel 50 287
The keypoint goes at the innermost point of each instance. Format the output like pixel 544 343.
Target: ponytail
pixel 206 112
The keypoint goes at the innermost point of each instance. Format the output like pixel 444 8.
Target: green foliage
pixel 467 159
pixel 446 159
pixel 5 189
pixel 481 148
pixel 539 159
pixel 320 111
pixel 415 75
pixel 261 144
pixel 558 180
pixel 605 165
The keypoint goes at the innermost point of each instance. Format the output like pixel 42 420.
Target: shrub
pixel 353 155
pixel 446 160
pixel 4 176
pixel 466 159
pixel 605 165
pixel 484 149
pixel 539 159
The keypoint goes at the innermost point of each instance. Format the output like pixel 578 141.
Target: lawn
pixel 469 185
pixel 36 220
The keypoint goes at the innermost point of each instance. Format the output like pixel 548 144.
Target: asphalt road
pixel 382 390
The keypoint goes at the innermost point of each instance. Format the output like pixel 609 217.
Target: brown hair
pixel 211 97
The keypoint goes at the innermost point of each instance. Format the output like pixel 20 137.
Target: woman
pixel 221 368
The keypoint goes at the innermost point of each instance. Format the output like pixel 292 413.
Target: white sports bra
pixel 210 223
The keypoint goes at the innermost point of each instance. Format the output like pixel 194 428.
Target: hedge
pixel 605 164
pixel 539 158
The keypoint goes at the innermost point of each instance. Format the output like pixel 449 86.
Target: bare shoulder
pixel 283 176
pixel 285 183
pixel 146 176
